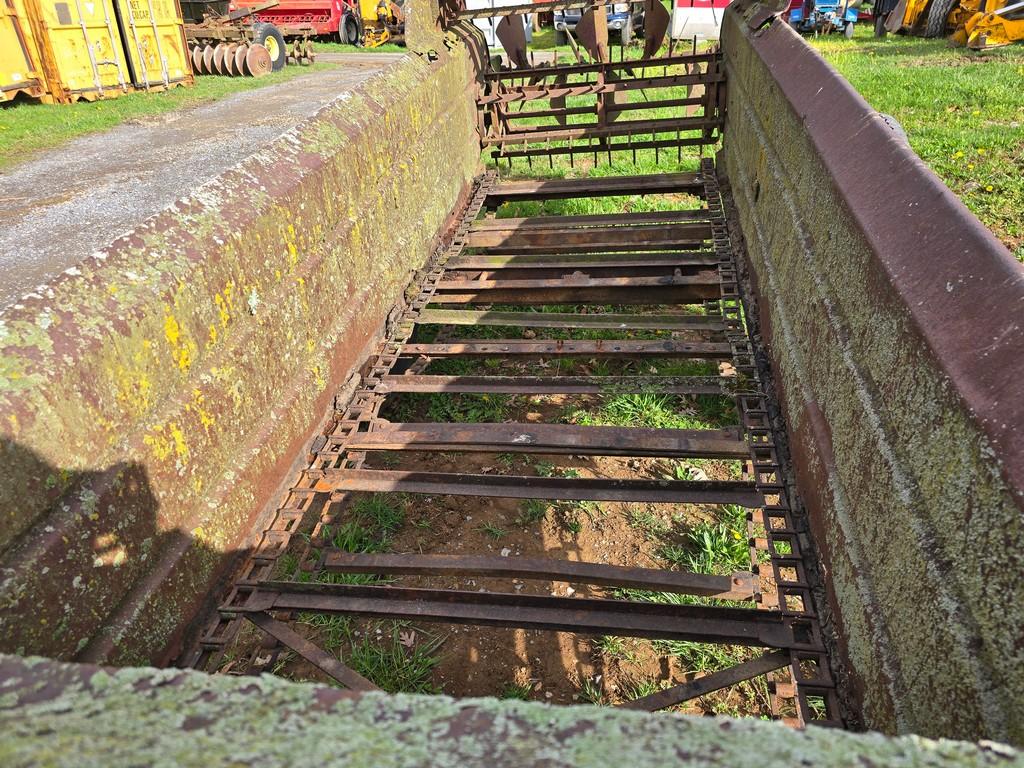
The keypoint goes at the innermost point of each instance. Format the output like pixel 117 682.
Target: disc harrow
pixel 231 59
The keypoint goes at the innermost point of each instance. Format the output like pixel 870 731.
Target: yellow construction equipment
pixel 974 23
pixel 66 51
pixel 993 24
pixel 927 18
pixel 383 21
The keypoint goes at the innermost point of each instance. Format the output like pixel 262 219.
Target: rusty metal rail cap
pixel 963 289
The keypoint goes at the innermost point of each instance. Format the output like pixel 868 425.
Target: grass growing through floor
pixel 519 691
pixel 28 127
pixel 962 111
pixel 657 411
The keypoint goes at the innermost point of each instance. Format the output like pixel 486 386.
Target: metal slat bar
pixel 607 66
pixel 705 277
pixel 590 220
pixel 559 189
pixel 315 655
pixel 558 385
pixel 679 294
pixel 535 92
pixel 553 439
pixel 738 586
pixel 520 487
pixel 581 261
pixel 508 10
pixel 585 616
pixel 597 130
pixel 611 348
pixel 582 149
pixel 652 237
pixel 662 322
pixel 702 686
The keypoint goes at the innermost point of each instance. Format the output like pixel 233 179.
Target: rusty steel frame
pixel 787 627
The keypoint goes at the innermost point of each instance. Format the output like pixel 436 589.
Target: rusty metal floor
pixel 649 267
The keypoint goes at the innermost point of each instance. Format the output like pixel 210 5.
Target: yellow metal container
pixel 20 68
pixel 80 47
pixel 154 39
pixel 94 49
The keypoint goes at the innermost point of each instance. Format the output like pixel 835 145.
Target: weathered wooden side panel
pixel 892 318
pixel 153 399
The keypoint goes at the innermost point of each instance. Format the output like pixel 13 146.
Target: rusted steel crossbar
pixel 557 385
pixel 553 439
pixel 560 189
pixel 698 623
pixel 715 681
pixel 528 487
pixel 738 586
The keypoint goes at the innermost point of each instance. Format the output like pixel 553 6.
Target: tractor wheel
pixel 349 32
pixel 560 37
pixel 938 17
pixel 880 30
pixel 270 37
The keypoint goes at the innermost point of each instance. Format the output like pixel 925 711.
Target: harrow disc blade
pixel 196 55
pixel 218 58
pixel 240 68
pixel 229 60
pixel 258 60
pixel 208 59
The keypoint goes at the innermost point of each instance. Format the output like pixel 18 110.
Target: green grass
pixel 493 530
pixel 962 111
pixel 658 411
pixel 518 691
pixel 532 511
pixel 393 666
pixel 28 127
pixel 326 47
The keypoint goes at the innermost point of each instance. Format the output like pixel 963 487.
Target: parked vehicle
pixel 625 18
pixel 63 52
pixel 825 16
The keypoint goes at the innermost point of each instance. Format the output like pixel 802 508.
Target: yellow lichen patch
pixel 226 305
pixel 133 389
pixel 159 444
pixel 182 348
pixel 180 446
pixel 318 377
pixel 196 407
pixel 212 339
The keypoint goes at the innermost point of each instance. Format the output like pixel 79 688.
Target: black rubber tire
pixel 561 38
pixel 349 31
pixel 880 30
pixel 938 13
pixel 270 37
